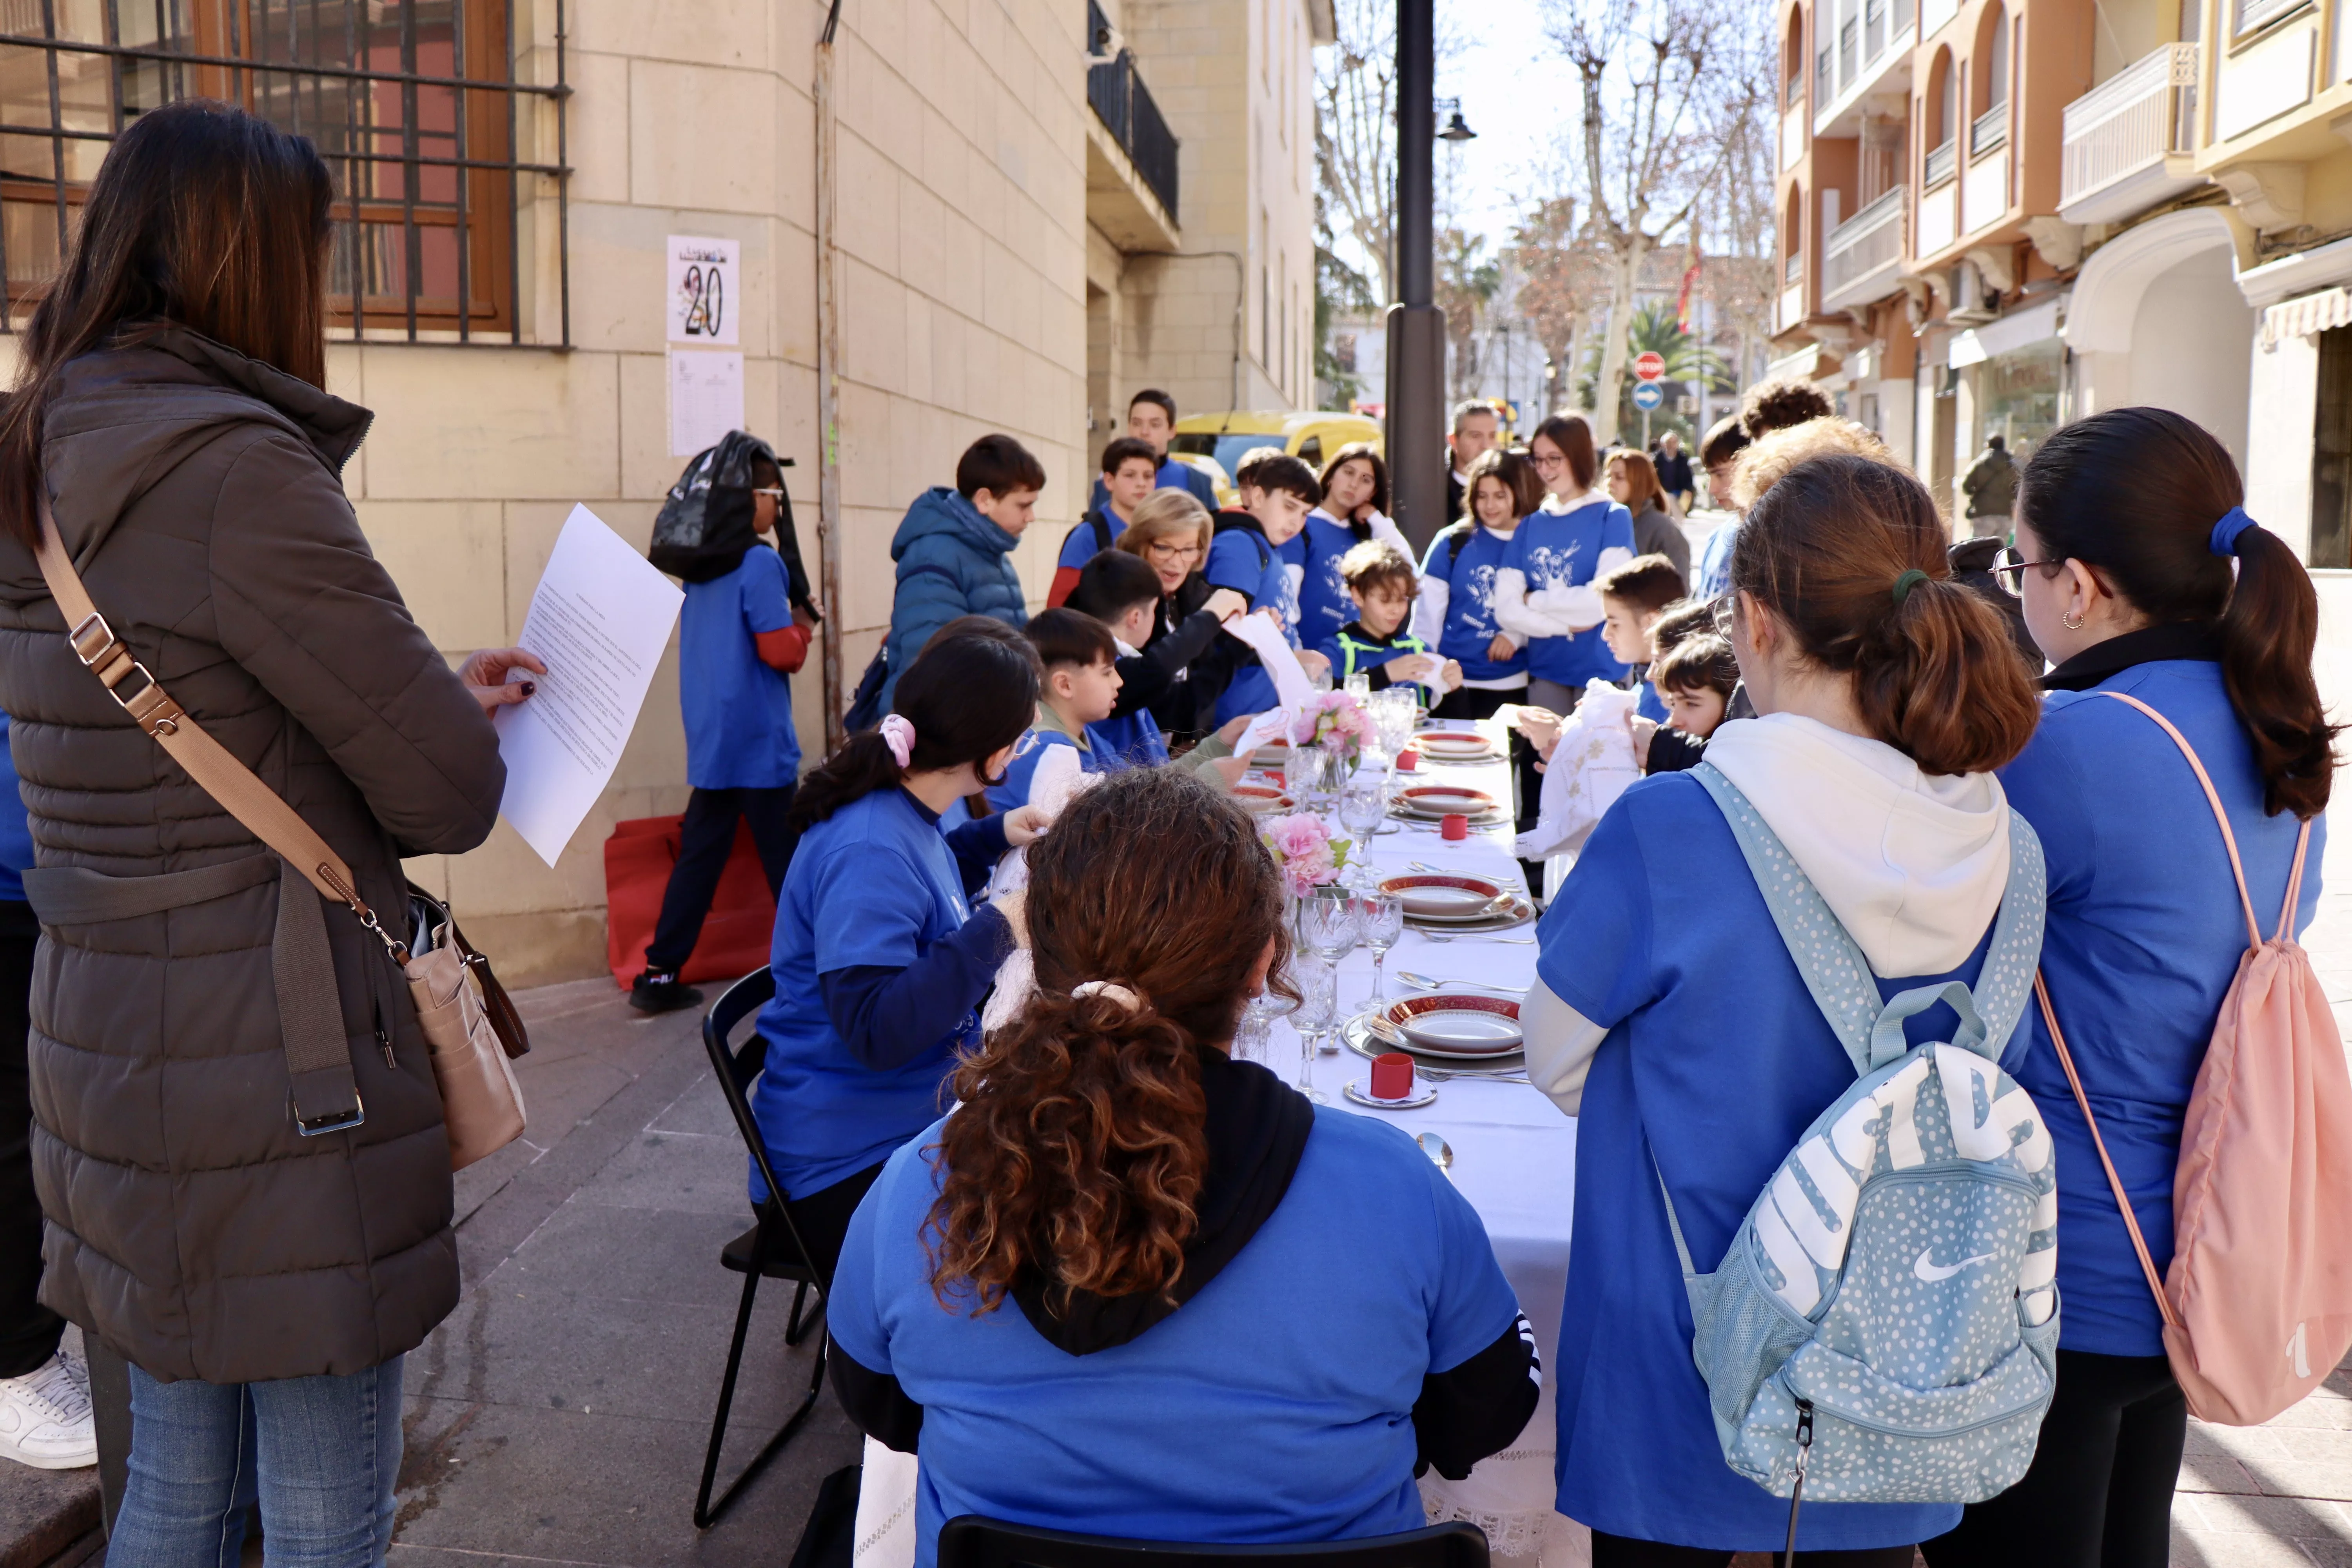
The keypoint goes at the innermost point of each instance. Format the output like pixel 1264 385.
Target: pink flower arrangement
pixel 1335 718
pixel 1309 857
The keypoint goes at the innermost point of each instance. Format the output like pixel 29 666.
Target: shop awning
pixel 2019 328
pixel 2301 318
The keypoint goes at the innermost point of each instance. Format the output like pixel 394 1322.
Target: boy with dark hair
pixel 1633 598
pixel 1259 552
pixel 1122 592
pixel 1151 419
pixel 954 550
pixel 1381 583
pixel 1720 456
pixel 1080 688
pixel 1130 473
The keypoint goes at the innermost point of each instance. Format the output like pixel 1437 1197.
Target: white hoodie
pixel 1913 864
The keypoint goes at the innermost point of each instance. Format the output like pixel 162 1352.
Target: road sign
pixel 1648 396
pixel 1649 365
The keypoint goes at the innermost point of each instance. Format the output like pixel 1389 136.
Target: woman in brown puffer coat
pixel 263 1284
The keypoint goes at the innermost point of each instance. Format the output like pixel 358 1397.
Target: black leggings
pixel 1624 1552
pixel 29 1330
pixel 2099 1493
pixel 822 1218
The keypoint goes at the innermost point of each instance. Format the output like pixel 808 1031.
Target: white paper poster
pixel 599 621
pixel 705 399
pixel 1292 689
pixel 704 290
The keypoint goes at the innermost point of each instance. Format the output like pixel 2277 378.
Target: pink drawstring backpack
pixel 2258 1302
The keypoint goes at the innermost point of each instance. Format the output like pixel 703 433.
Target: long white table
pixel 1514 1159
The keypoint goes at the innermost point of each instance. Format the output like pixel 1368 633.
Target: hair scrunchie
pixel 1111 988
pixel 2225 532
pixel 1910 579
pixel 898 734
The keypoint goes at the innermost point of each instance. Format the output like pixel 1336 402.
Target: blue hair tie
pixel 2225 532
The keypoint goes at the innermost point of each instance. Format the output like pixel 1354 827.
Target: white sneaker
pixel 45 1419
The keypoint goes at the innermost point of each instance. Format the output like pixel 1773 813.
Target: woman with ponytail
pixel 1670 1018
pixel 880 963
pixel 2142 576
pixel 1132 1286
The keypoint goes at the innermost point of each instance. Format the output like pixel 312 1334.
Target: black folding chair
pixel 970 1542
pixel 770 1249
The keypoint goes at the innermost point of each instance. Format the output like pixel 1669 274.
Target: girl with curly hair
pixel 1129 1278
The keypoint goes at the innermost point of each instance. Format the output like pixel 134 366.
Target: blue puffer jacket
pixel 951 561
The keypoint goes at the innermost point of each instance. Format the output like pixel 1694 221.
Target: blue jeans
pixel 321 1453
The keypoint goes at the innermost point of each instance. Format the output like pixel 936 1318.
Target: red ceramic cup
pixel 1408 760
pixel 1454 827
pixel 1393 1077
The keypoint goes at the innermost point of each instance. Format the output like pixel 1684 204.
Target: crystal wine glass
pixel 1363 806
pixel 1318 998
pixel 1255 1041
pixel 1382 917
pixel 1326 923
pixel 1394 709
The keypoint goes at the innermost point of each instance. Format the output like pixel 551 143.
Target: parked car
pixel 1217 443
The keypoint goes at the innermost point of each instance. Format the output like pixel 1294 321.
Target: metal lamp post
pixel 1416 327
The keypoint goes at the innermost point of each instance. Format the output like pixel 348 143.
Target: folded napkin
pixel 1591 766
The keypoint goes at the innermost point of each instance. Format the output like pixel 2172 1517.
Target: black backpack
pixel 706 523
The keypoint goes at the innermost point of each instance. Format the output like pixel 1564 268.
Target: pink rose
pixel 1297 837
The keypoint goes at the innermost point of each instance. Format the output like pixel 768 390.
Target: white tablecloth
pixel 1514 1159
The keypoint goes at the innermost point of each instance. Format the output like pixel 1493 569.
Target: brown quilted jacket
pixel 189 1225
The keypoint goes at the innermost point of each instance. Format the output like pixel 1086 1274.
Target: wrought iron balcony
pixel 1119 99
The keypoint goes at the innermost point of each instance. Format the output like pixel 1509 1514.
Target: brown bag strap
pixel 2122 1200
pixel 229 781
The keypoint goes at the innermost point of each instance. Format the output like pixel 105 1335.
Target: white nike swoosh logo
pixel 1935 1274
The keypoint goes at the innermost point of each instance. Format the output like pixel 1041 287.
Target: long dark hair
pixel 1517 475
pixel 1079 1150
pixel 1573 437
pixel 1349 454
pixel 2133 494
pixel 968 695
pixel 202 215
pixel 1934 675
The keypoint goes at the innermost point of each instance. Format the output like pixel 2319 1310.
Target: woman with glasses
pixel 1543 590
pixel 2141 578
pixel 1171 531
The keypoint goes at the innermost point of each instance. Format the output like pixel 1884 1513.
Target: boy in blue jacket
pixel 1081 688
pixel 954 550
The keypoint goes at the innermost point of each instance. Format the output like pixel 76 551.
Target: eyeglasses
pixel 1172 552
pixel 1541 462
pixel 1724 608
pixel 773 492
pixel 2009 570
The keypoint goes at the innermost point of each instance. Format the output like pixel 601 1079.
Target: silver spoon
pixel 1424 983
pixel 1514 941
pixel 1440 1153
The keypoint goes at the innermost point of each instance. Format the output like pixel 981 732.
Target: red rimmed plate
pixel 1443 894
pixel 1462 1025
pixel 1454 745
pixel 1444 800
pixel 1261 800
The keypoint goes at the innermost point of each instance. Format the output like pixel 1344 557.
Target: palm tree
pixel 1655 330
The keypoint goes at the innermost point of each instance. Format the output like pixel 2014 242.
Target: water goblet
pixel 1319 999
pixel 1254 1043
pixel 1326 923
pixel 1394 710
pixel 1363 806
pixel 1382 917
pixel 1360 685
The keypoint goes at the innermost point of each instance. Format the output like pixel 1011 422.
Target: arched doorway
pixel 2157 319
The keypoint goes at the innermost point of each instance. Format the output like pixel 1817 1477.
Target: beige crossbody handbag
pixel 470 1027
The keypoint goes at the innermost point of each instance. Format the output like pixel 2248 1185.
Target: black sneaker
pixel 658 991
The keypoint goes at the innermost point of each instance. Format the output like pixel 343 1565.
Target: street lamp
pixel 1416 328
pixel 1456 129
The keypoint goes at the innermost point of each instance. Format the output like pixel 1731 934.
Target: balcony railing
pixel 1989 129
pixel 2255 15
pixel 1125 106
pixel 1794 268
pixel 1864 244
pixel 2129 121
pixel 1941 162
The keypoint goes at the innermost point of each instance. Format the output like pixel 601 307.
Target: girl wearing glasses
pixel 2140 577
pixel 1543 590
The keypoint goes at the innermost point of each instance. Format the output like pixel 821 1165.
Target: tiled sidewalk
pixel 2282 1493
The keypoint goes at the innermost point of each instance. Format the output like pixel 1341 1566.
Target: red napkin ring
pixel 1407 760
pixel 1454 827
pixel 1392 1075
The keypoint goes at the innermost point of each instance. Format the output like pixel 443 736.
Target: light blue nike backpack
pixel 1884 1326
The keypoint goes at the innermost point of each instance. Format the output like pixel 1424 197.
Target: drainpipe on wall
pixel 1241 303
pixel 828 396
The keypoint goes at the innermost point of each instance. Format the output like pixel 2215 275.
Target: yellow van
pixel 1217 443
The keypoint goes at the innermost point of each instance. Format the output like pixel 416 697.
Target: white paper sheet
pixel 599 621
pixel 705 399
pixel 1291 688
pixel 1274 724
pixel 704 276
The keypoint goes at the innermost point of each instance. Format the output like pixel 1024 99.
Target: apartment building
pixel 1037 206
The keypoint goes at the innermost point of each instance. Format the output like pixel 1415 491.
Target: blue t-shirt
pixel 1650 705
pixel 873 884
pixel 1554 549
pixel 1087 540
pixel 1716 1063
pixel 1129 741
pixel 1713 576
pixel 1303 1357
pixel 1323 603
pixel 1021 773
pixel 2144 936
pixel 1173 476
pixel 1271 581
pixel 738 709
pixel 1470 627
pixel 15 834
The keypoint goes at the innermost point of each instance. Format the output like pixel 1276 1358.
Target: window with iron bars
pixel 414 104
